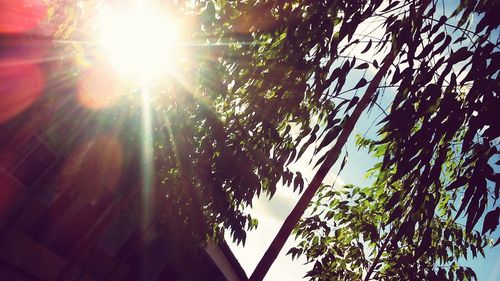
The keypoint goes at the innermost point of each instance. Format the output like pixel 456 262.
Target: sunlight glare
pixel 20 86
pixel 139 41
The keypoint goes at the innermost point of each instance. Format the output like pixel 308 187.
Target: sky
pixel 271 214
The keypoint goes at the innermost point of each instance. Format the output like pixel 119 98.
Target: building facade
pixel 69 212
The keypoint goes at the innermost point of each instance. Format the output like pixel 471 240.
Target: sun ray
pixel 147 152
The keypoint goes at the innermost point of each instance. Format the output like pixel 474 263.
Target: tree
pixel 219 138
pixel 347 237
pixel 430 115
pixel 264 69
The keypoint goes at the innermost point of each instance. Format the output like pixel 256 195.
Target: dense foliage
pixel 438 145
pixel 222 124
pixel 269 79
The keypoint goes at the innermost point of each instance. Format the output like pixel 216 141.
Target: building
pixel 59 218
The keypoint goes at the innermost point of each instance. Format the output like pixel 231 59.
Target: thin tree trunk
pixel 294 216
pixel 379 254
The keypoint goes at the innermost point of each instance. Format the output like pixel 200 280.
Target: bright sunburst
pixel 141 40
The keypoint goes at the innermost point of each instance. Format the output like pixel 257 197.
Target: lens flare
pixel 17 16
pixel 20 86
pixel 97 89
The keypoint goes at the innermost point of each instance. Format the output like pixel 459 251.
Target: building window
pixel 33 161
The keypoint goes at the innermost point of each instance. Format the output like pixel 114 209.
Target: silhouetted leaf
pixel 368 46
pixel 330 136
pixel 352 103
pixel 491 221
pixel 361 83
pixel 362 66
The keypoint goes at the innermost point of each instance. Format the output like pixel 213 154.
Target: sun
pixel 141 41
